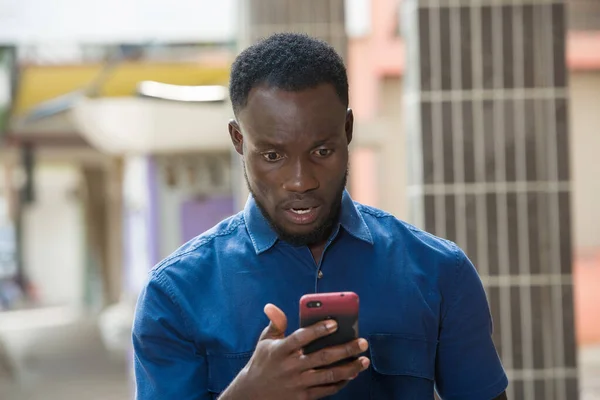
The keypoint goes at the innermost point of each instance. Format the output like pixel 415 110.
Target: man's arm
pixel 501 397
pixel 467 364
pixel 166 362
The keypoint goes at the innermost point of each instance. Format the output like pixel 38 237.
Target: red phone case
pixel 340 306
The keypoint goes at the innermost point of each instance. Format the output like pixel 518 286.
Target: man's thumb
pixel 278 323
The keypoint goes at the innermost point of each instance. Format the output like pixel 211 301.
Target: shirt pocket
pixel 223 368
pixel 402 367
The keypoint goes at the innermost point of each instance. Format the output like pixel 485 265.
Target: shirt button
pixel 320 274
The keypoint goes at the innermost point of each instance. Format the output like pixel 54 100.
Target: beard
pixel 319 233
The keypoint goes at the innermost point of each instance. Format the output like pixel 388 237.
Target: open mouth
pixel 301 211
pixel 302 215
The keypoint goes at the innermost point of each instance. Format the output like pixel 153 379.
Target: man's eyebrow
pixel 321 142
pixel 264 143
pixel 267 144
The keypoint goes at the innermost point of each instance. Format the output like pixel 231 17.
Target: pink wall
pixel 363 179
pixel 586 281
pixel 370 59
pixel 374 57
pixel 382 54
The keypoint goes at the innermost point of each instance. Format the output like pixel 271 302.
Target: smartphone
pixel 341 307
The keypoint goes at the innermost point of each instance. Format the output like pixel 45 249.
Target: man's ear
pixel 236 136
pixel 349 125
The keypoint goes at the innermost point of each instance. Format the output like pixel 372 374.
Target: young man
pixel 200 331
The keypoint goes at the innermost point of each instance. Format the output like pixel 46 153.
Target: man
pixel 199 332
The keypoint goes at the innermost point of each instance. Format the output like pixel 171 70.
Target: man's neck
pixel 317 250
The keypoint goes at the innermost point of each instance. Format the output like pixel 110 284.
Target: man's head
pixel 290 96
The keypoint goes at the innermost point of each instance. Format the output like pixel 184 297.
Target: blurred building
pixel 467 64
pixel 115 154
pixel 88 183
pixel 377 68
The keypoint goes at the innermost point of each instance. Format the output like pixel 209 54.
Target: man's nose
pixel 300 177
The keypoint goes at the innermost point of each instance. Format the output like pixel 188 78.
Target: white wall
pixel 585 158
pixel 54 237
pixel 94 21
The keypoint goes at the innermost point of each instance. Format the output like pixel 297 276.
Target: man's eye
pixel 323 152
pixel 272 156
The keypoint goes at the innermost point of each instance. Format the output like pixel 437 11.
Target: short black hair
pixel 288 61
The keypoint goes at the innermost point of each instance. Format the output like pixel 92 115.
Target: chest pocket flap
pixel 396 354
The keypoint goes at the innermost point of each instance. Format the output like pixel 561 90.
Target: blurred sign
pixel 6 84
pixel 8 248
pixel 138 240
pixel 115 21
pixel 584 15
pixel 8 253
pixel 358 18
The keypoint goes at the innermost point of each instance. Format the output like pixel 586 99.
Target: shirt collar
pixel 261 234
pixel 263 237
pixel 352 220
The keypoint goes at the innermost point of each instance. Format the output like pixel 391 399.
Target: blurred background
pixel 475 120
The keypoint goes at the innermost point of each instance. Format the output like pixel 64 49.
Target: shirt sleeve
pixel 167 364
pixel 467 364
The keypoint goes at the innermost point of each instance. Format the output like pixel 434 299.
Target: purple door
pixel 199 215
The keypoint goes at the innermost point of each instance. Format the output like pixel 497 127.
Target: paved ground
pixel 66 361
pixel 61 357
pixel 589 372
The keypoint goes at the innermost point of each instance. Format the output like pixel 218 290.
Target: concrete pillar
pixel 320 18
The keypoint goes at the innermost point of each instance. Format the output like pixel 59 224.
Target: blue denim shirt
pixel 422 308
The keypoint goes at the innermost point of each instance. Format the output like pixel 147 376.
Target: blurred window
pixel 583 15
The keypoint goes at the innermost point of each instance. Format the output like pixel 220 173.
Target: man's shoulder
pixel 440 259
pixel 199 250
pixel 385 226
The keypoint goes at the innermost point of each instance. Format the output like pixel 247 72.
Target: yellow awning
pixel 40 83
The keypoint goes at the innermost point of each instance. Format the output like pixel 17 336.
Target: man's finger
pixel 330 376
pixel 303 336
pixel 334 354
pixel 277 325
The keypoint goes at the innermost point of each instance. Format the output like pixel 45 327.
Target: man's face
pixel 295 151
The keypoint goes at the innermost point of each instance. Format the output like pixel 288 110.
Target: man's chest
pixel 397 316
pixel 394 298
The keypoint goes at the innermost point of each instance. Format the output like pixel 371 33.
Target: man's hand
pixel 279 370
